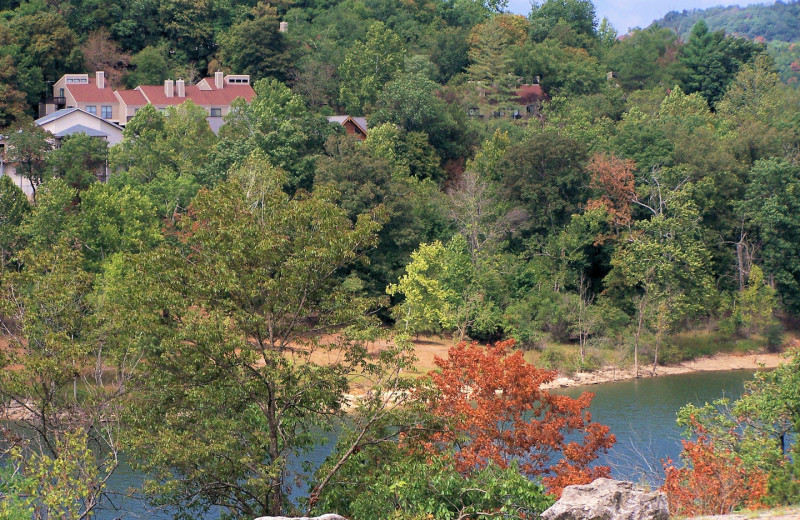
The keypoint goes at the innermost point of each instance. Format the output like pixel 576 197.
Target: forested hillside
pixel 777 25
pixel 533 180
pixel 779 21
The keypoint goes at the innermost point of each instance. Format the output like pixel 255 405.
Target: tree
pixel 68 439
pixel 225 317
pixel 365 181
pixel 79 160
pixel 578 15
pixel 13 208
pixel 103 53
pixel 255 46
pixel 278 124
pixel 613 178
pixel 714 479
pixel 497 413
pixel 664 263
pixel 647 58
pixel 439 289
pixel 545 176
pixel 771 202
pixel 150 67
pixel 163 154
pixel 368 66
pixel 28 147
pixel 491 63
pixel 410 101
pixel 713 60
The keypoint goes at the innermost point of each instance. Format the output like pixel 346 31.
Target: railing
pixel 55 100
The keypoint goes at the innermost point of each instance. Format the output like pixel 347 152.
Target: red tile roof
pixel 132 97
pixel 155 94
pixel 89 93
pixel 530 93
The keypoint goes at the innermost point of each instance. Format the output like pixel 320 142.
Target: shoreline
pixel 715 363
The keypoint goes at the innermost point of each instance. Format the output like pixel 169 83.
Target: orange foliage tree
pixel 613 178
pixel 496 411
pixel 713 481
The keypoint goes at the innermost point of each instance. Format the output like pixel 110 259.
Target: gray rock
pixel 607 499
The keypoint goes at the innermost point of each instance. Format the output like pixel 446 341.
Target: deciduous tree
pixel 225 318
pixel 497 413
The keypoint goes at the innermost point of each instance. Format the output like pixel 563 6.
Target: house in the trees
pixel 63 123
pixel 95 96
pixel 68 121
pixel 356 126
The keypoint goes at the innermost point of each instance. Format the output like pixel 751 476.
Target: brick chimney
pixel 100 79
pixel 169 88
pixel 219 81
pixel 180 86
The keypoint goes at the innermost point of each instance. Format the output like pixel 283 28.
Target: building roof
pixel 156 96
pixel 131 97
pixel 89 93
pixel 78 129
pixel 360 122
pixel 58 114
pixel 530 93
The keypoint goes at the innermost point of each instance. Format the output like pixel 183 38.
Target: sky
pixel 627 14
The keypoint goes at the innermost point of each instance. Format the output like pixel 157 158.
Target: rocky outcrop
pixel 323 517
pixel 607 499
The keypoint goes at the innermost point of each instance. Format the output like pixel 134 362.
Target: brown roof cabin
pixel 356 126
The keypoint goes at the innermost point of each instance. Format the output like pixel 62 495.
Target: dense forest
pixel 208 310
pixel 777 25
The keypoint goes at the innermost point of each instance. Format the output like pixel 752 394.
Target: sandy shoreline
pixel 714 363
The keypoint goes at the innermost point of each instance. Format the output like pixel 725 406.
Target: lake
pixel 641 413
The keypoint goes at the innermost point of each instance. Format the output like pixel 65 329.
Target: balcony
pixel 45 107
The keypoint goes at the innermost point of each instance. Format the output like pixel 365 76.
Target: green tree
pixel 13 208
pixel 491 63
pixel 578 15
pixel 255 46
pixel 368 66
pixel 545 176
pixel 28 147
pixel 224 319
pixel 163 154
pixel 150 67
pixel 440 289
pixel 563 70
pixel 664 265
pixel 69 437
pixel 278 124
pixel 713 60
pixel 79 160
pixel 772 203
pixel 647 58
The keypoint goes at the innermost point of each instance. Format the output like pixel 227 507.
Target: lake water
pixel 641 413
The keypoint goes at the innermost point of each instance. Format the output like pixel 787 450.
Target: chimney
pixel 100 79
pixel 169 88
pixel 284 27
pixel 218 79
pixel 180 86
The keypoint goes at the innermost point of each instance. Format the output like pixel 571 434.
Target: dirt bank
pixel 706 364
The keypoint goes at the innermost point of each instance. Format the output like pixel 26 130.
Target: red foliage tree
pixel 613 178
pixel 495 410
pixel 713 480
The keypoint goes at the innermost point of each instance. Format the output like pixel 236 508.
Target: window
pixel 105 112
pixel 61 92
pixel 216 112
pixel 92 109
